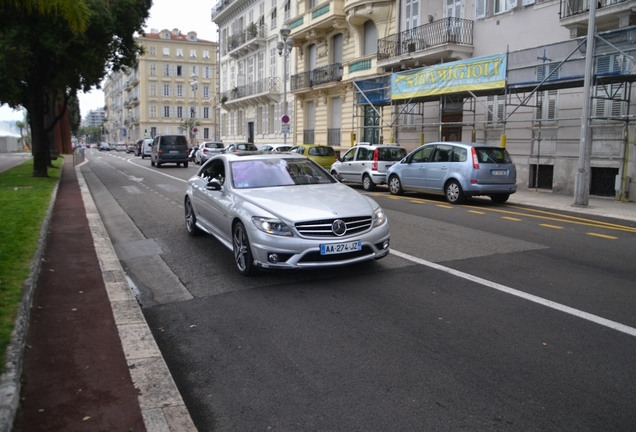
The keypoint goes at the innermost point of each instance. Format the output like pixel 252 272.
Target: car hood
pixel 310 202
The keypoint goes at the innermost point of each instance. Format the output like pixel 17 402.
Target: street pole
pixel 195 85
pixel 284 49
pixel 582 181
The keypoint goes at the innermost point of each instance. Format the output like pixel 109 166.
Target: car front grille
pixel 322 228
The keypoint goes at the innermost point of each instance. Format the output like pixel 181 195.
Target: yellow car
pixel 323 155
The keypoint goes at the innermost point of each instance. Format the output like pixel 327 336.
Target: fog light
pixel 385 245
pixel 273 258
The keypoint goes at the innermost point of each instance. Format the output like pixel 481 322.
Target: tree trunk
pixel 40 140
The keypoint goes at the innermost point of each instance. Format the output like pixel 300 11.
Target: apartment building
pixel 172 90
pixel 94 118
pixel 253 84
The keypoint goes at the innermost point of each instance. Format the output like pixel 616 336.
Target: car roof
pixel 258 156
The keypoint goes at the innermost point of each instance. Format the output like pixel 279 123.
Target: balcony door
pixel 337 48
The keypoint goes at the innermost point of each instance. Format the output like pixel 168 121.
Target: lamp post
pixel 284 49
pixel 193 115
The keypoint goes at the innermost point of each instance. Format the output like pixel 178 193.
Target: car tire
pixel 367 183
pixel 191 219
pixel 185 164
pixel 158 164
pixel 334 173
pixel 499 198
pixel 454 193
pixel 395 185
pixel 242 251
pixel 143 156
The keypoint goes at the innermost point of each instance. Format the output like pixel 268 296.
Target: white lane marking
pixel 154 171
pixel 535 299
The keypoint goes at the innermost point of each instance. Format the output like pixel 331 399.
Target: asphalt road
pixel 484 317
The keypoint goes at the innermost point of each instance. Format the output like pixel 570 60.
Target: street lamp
pixel 193 115
pixel 284 49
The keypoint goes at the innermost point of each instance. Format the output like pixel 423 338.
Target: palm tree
pixel 76 12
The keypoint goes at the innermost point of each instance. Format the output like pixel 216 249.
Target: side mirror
pixel 213 184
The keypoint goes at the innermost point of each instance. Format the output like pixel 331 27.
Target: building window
pixel 495 112
pixel 153 90
pixel 179 70
pixel 194 70
pixel 206 92
pixel 272 62
pixel 370 38
pixel 504 5
pixel 179 90
pixel 166 51
pixel 609 101
pixel 206 54
pixel 166 111
pixel 179 112
pixel 166 89
pixel 273 15
pixel 179 52
pixel 153 131
pixel 153 51
pixel 153 110
pixel 206 112
pixel 207 72
pixel 166 70
pixel 546 106
pixel 206 133
pixel 153 69
pixel 193 53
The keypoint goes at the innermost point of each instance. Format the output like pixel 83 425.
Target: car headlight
pixel 378 217
pixel 272 226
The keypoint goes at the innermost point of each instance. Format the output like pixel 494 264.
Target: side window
pixel 424 154
pixel 363 154
pixel 214 170
pixel 443 153
pixel 459 154
pixel 348 157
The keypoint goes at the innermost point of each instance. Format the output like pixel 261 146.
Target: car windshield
pixel 214 145
pixel 391 154
pixel 277 172
pixel 493 155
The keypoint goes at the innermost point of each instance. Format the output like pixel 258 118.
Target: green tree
pixel 75 12
pixel 186 125
pixel 44 61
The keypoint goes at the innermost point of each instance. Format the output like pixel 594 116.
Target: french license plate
pixel 173 151
pixel 339 248
pixel 499 172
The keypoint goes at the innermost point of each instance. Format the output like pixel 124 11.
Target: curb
pixel 10 379
pixel 161 404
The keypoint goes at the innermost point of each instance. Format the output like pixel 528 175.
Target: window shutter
pixel 617 105
pixel 552 104
pixel 511 4
pixel 527 2
pixel 603 65
pixel 480 8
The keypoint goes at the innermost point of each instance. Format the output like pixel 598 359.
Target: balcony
pixel 246 41
pixel 449 39
pixel 316 77
pixel 262 92
pixel 610 15
pixel 315 23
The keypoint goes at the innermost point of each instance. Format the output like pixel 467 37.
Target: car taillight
pixel 475 159
pixel 374 165
pixel 160 151
pixel 205 150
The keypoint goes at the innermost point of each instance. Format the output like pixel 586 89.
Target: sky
pixel 185 15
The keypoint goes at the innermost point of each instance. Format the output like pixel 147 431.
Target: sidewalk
pixel 90 362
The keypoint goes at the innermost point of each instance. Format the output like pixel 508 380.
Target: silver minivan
pixel 456 170
pixel 367 164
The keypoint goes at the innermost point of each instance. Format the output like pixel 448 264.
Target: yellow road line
pixel 602 236
pixel 551 226
pixel 511 218
pixel 476 212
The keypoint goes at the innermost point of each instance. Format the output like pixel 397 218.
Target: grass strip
pixel 24 201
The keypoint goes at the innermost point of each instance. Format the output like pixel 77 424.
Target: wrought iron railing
pixel 252 31
pixel 308 136
pixel 266 85
pixel 333 136
pixel 448 30
pixel 575 7
pixel 318 76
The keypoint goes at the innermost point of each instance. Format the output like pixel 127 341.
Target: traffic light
pixel 145 132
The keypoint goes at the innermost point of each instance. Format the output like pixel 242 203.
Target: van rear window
pixel 391 154
pixel 493 155
pixel 175 140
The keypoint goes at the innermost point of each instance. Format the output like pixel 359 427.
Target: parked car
pixel 237 147
pixel 120 147
pixel 282 211
pixel 169 149
pixel 104 146
pixel 323 155
pixel 130 148
pixel 456 170
pixel 274 148
pixel 206 150
pixel 366 164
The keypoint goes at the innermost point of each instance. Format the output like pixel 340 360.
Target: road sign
pixel 194 130
pixel 285 119
pixel 285 128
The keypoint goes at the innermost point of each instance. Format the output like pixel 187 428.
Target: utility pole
pixel 582 181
